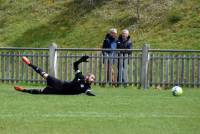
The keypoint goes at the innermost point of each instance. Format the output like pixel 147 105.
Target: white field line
pixel 99 115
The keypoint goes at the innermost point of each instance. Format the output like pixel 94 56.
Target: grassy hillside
pixel 75 23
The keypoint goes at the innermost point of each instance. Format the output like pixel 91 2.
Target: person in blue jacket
pixel 110 42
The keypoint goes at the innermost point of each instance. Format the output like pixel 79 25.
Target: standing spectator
pixel 124 42
pixel 110 42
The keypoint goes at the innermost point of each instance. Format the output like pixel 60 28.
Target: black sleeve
pixel 129 47
pixel 82 59
pixel 76 65
pixel 79 77
pixel 89 93
pixel 104 44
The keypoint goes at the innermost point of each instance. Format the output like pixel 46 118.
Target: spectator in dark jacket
pixel 124 42
pixel 110 42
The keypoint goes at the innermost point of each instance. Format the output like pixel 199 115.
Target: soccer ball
pixel 177 91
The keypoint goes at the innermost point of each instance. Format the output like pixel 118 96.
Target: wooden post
pixel 53 60
pixel 144 68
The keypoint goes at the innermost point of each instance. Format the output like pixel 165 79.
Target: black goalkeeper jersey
pixel 77 86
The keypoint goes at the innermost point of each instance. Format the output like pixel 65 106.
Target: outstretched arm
pixel 82 59
pixel 89 93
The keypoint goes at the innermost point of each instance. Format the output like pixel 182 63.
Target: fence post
pixel 144 68
pixel 53 60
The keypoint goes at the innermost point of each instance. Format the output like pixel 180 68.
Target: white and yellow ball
pixel 177 91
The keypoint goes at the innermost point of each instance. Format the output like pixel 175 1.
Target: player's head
pixel 90 78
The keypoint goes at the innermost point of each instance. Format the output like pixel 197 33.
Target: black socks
pixel 38 70
pixel 32 91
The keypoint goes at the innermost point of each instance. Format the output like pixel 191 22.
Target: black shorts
pixel 54 86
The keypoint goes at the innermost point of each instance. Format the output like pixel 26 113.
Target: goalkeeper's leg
pixel 31 91
pixel 34 67
pixel 51 81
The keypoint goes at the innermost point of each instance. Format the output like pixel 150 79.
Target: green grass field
pixel 112 111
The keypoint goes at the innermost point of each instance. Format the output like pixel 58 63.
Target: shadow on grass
pixel 59 26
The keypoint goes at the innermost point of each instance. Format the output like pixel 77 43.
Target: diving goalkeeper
pixel 80 84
